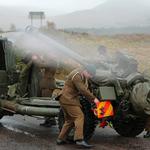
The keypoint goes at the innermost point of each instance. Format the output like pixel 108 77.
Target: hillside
pixel 112 13
pixel 137 45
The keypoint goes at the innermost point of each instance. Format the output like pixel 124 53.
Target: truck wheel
pixel 130 127
pixel 89 124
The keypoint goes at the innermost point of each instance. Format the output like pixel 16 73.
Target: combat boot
pixel 48 122
pixel 83 144
pixel 60 142
pixel 147 135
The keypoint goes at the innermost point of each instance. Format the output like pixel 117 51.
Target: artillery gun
pixel 125 112
pixel 122 114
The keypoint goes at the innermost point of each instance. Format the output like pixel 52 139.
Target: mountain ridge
pixel 112 13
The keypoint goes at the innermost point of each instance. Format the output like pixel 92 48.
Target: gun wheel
pixel 90 121
pixel 129 127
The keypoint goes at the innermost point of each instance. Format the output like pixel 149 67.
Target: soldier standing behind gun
pixel 48 83
pixel 30 74
pixel 104 61
pixel 75 85
pixel 22 85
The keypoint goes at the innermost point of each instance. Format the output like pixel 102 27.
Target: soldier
pixel 24 77
pixel 102 50
pixel 48 83
pixel 104 61
pixel 23 87
pixel 125 65
pixel 76 84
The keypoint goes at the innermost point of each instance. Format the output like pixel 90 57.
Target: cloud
pixel 65 5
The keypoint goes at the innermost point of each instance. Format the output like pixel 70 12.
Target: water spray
pixel 37 42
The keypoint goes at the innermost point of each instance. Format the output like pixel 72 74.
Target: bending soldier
pixel 75 85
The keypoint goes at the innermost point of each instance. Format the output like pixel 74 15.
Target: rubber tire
pixel 129 128
pixel 90 120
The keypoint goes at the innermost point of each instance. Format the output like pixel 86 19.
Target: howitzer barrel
pixel 28 110
pixel 44 102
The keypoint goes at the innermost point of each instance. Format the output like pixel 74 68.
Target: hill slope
pixel 112 13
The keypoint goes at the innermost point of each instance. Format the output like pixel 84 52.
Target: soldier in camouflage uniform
pixel 37 78
pixel 30 74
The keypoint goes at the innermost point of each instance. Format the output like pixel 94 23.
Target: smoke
pixel 125 64
pixel 119 65
pixel 32 42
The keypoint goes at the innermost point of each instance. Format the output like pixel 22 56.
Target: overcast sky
pixel 58 6
pixel 16 11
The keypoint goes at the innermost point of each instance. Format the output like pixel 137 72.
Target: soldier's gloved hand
pixel 95 103
pixel 34 57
